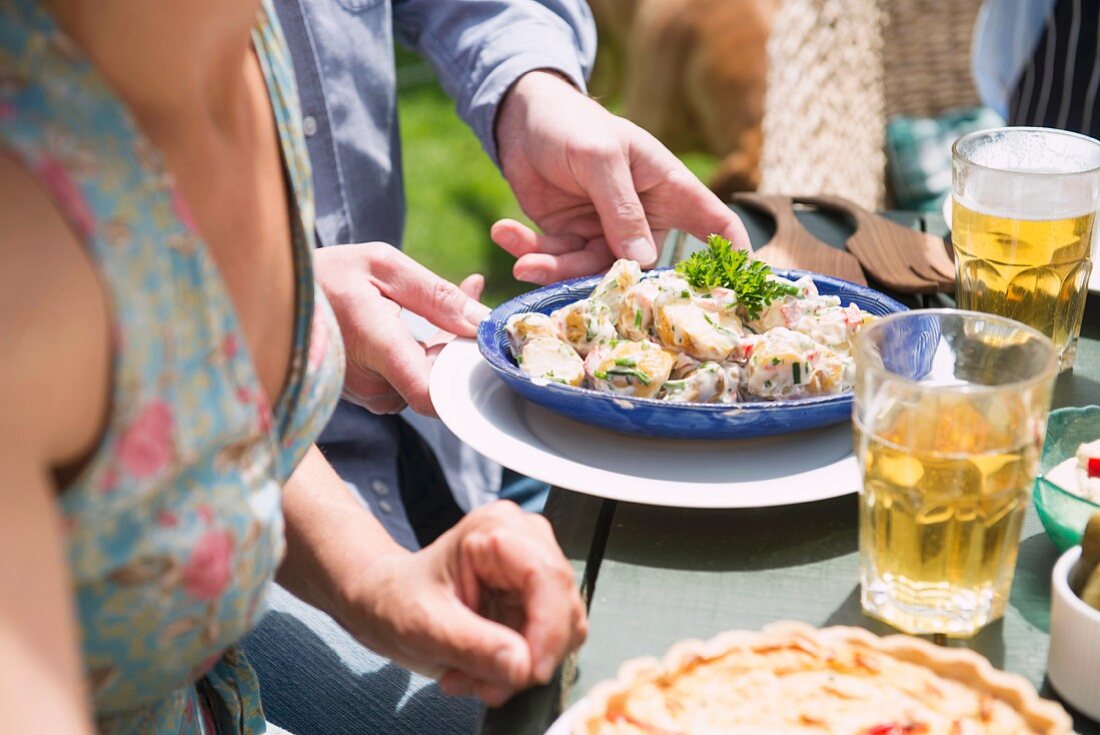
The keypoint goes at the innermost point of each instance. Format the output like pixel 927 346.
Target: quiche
pixel 794 679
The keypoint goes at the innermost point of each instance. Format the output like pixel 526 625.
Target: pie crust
pixel 793 678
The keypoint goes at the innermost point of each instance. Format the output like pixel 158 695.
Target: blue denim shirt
pixel 343 57
pixel 344 63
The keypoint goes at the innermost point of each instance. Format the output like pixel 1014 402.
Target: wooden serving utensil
pixel 793 246
pixel 900 258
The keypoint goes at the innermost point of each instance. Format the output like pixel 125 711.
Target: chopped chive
pixel 685 294
pixel 600 374
pixel 626 361
pixel 775 361
pixel 637 318
pixel 796 373
pixel 632 373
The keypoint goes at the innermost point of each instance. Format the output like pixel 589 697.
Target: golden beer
pixel 1033 271
pixel 949 415
pixel 1024 204
pixel 944 496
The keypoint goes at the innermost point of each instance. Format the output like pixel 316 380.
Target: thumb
pixel 473 286
pixel 621 213
pixel 483 649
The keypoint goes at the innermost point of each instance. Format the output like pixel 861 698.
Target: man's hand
pixel 491 607
pixel 599 186
pixel 367 285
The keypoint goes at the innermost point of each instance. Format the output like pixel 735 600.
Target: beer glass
pixel 949 416
pixel 1025 201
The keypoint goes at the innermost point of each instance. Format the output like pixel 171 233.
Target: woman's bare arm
pixel 54 338
pixel 490 607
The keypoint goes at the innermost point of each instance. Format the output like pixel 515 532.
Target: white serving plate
pixel 738 473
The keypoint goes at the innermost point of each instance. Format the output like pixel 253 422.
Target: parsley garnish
pixel 721 265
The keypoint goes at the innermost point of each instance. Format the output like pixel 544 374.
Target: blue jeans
pixel 523 491
pixel 315 679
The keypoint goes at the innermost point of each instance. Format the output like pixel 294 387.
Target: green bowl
pixel 1064 514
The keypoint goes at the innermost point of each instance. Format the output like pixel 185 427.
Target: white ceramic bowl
pixel 1074 663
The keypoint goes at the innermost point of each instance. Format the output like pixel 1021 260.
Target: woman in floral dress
pixel 168 362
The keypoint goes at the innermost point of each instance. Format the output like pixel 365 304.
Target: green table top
pixel 653 576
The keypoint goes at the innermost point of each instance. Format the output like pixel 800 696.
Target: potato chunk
pixel 522 328
pixel 548 358
pixel 629 368
pixel 585 324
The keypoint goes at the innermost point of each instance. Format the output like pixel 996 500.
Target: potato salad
pixel 661 336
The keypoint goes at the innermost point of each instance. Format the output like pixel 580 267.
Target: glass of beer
pixel 949 416
pixel 1025 202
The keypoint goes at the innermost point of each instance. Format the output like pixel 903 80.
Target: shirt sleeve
pixel 1006 33
pixel 479 48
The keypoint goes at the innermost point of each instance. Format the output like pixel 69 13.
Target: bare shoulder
pixel 54 326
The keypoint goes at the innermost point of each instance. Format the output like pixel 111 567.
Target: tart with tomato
pixel 792 679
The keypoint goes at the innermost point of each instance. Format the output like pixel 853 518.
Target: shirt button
pixel 380 488
pixel 309 126
pixel 384 506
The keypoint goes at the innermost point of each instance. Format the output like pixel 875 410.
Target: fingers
pixel 388 368
pixel 611 186
pixel 548 258
pixel 377 396
pixel 483 651
pixel 519 239
pixel 520 554
pixel 457 684
pixel 709 215
pixel 544 268
pixel 472 285
pixel 683 202
pixel 416 288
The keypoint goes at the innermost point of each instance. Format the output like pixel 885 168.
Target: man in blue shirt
pixel 597 186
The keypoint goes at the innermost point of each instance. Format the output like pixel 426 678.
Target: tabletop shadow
pixel 741 539
pixel 1076 389
pixel 1082 723
pixel 1031 585
pixel 989 641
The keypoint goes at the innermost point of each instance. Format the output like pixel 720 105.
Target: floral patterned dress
pixel 174 527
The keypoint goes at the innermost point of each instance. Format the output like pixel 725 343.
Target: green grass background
pixel 454 192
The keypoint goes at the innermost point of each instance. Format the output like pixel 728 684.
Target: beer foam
pixel 1034 152
pixel 1028 174
pixel 1019 203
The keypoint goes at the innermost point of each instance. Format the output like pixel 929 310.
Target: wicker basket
pixel 838 69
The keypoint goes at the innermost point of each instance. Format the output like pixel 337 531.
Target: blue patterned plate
pixel 648 417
